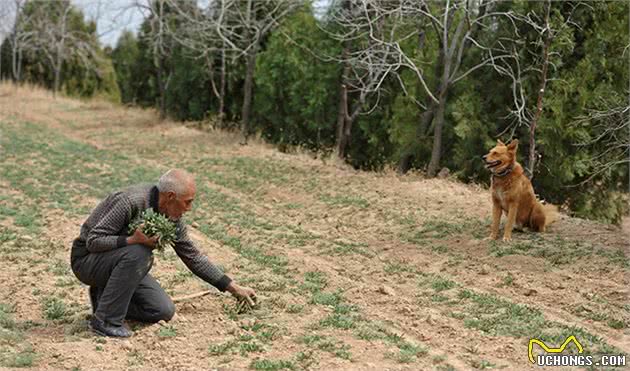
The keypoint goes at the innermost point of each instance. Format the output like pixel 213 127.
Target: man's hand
pixel 242 293
pixel 141 239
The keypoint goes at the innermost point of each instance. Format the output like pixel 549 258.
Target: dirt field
pixel 356 270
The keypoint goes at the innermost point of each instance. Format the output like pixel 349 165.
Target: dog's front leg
pixel 496 219
pixel 509 224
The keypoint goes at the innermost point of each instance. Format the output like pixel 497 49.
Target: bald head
pixel 177 181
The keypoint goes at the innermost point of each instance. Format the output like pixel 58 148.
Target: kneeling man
pixel 116 266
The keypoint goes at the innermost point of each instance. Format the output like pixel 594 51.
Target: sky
pixel 117 15
pixel 112 16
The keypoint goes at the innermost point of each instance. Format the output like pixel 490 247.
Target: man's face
pixel 176 206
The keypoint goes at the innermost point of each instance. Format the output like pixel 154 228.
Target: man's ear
pixel 500 143
pixel 170 195
pixel 513 145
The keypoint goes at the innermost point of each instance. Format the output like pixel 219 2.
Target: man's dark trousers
pixel 121 286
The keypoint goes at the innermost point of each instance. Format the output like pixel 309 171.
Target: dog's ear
pixel 500 143
pixel 513 145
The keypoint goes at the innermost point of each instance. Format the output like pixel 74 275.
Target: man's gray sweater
pixel 106 229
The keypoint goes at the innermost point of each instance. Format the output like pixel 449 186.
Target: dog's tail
pixel 542 215
pixel 551 213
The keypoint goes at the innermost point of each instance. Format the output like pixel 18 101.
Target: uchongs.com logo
pixel 554 356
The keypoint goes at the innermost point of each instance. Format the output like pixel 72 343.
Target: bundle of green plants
pixel 153 224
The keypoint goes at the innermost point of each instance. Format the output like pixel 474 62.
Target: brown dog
pixel 512 193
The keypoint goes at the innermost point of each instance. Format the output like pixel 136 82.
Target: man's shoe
pixel 104 329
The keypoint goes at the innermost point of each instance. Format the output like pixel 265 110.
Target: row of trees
pixel 50 43
pixel 404 83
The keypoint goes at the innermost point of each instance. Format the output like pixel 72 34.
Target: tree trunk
pixel 350 119
pixel 222 87
pixel 438 124
pixel 19 66
pixel 341 141
pixel 57 68
pixel 220 92
pixel 160 84
pixel 433 115
pixel 404 164
pixel 160 94
pixel 248 93
pixel 539 104
pixel 345 131
pixel 61 50
pixel 15 62
pixel 438 119
pixel 342 111
pixel 427 117
pixel 15 47
pixel 57 79
pixel 448 61
pixel 249 76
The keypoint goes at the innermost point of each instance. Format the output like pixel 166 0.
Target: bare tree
pixel 56 38
pixel 52 38
pixel 160 40
pixel 243 26
pixel 456 26
pixel 161 50
pixel 547 36
pixel 5 29
pixel 198 33
pixel 20 38
pixel 610 125
pixel 240 27
pixel 364 66
pixel 542 51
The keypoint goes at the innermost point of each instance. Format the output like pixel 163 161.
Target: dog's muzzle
pixel 491 164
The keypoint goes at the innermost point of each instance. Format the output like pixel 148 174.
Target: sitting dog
pixel 512 193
